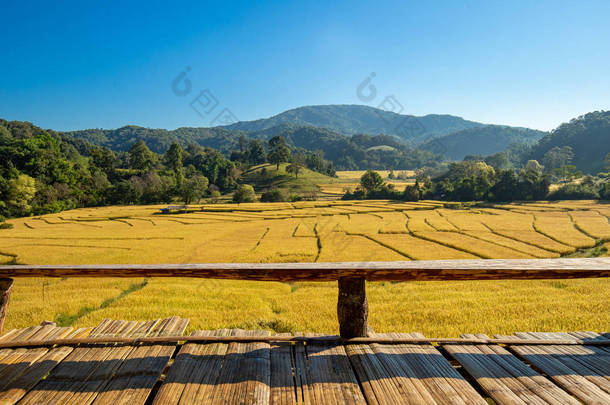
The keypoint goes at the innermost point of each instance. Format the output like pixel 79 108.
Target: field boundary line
pixel 517 240
pixel 260 240
pixel 557 240
pixel 581 230
pixel 381 244
pixel 450 246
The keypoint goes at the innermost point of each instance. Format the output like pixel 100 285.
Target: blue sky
pixel 73 65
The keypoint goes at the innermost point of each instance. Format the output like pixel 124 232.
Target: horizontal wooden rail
pixel 352 306
pixel 516 269
pixel 295 339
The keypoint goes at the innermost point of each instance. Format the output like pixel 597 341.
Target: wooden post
pixel 353 308
pixel 5 294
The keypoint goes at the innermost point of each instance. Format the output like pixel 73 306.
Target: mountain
pixel 360 119
pixel 329 128
pixel 485 140
pixel 587 135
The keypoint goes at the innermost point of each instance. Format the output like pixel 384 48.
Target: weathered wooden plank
pixel 196 371
pixel 88 391
pixel 429 366
pixel 304 388
pixel 15 386
pixel 244 377
pixel 506 379
pixel 383 381
pixel 569 370
pixel 141 369
pixel 330 377
pixel 79 367
pixel 372 271
pixel 418 374
pixel 283 388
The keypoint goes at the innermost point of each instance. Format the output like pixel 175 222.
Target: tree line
pixel 476 180
pixel 45 171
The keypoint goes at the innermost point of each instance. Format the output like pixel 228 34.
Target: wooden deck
pixel 280 372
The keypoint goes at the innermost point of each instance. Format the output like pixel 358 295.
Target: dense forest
pixel 46 171
pixel 587 136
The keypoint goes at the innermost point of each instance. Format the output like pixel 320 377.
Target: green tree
pixel 103 158
pixel 507 187
pixel 535 166
pixel 294 168
pixel 498 161
pixel 566 173
pixel 244 193
pixel 607 163
pixel 557 157
pixel 20 193
pixel 296 164
pixel 173 159
pixel 411 193
pixel 255 154
pixel 371 181
pixel 140 157
pixel 194 188
pixel 274 195
pixel 278 151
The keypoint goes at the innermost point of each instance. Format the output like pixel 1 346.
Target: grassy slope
pixel 305 184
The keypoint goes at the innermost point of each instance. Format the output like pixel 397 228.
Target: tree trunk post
pixel 353 308
pixel 5 293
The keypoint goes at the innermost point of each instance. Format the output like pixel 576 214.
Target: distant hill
pixel 159 140
pixel 352 136
pixel 361 119
pixel 588 136
pixel 485 140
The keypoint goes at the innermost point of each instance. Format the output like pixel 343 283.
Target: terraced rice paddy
pixel 313 231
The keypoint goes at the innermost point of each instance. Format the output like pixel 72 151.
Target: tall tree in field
pixel 371 180
pixel 278 151
pixel 173 159
pixel 297 163
pixel 194 188
pixel 140 157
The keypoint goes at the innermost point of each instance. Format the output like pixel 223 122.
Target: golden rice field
pixel 313 231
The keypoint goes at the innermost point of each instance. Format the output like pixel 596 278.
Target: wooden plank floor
pixel 280 373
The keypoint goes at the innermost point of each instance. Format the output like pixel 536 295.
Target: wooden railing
pixel 352 306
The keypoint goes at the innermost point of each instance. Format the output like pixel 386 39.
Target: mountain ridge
pixel 353 119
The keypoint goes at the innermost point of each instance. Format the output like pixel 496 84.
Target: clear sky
pixel 91 64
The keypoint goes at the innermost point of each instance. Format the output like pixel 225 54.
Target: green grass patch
pixel 70 319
